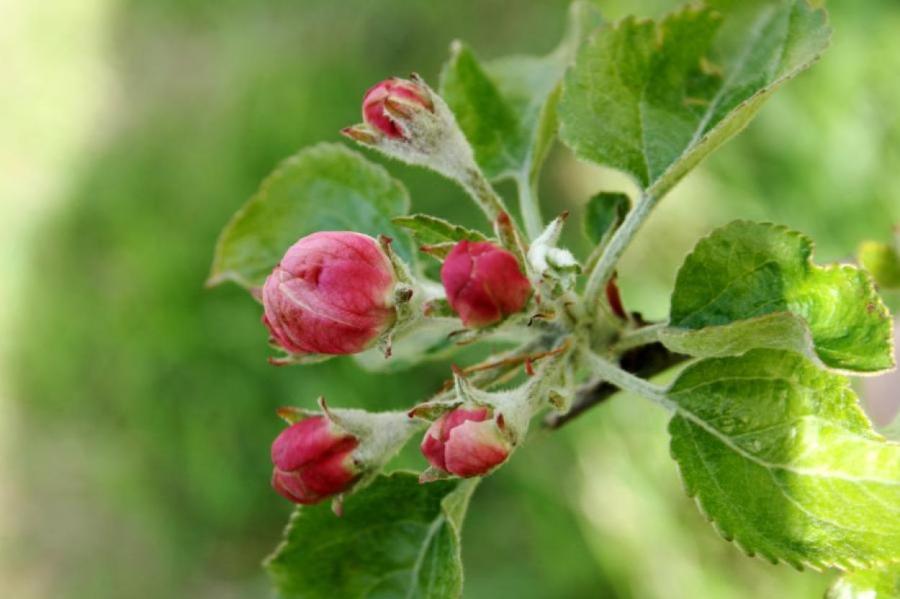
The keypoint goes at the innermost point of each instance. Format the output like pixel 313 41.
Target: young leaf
pixel 322 188
pixel 745 270
pixel 429 229
pixel 867 584
pixel 505 107
pixel 654 99
pixel 603 215
pixel 882 261
pixel 782 459
pixel 396 538
pixel 428 341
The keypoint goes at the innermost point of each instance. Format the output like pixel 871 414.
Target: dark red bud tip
pixel 615 299
pixel 483 283
pixel 313 461
pixel 466 442
pixel 393 99
pixel 332 293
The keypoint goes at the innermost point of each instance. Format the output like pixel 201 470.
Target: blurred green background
pixel 137 408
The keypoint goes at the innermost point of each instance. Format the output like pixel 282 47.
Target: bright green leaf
pixel 603 215
pixel 745 270
pixel 396 538
pixel 506 107
pixel 882 261
pixel 782 459
pixel 429 229
pixel 654 99
pixel 322 188
pixel 867 584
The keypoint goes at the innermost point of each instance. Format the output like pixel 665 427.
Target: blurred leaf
pixel 745 270
pixel 603 215
pixel 428 341
pixel 883 583
pixel 782 459
pixel 322 188
pixel 396 538
pixel 654 99
pixel 882 261
pixel 506 107
pixel 429 229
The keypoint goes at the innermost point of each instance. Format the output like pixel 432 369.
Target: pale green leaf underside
pixel 654 99
pixel 429 341
pixel 746 270
pixel 780 457
pixel 867 584
pixel 326 187
pixel 396 539
pixel 506 107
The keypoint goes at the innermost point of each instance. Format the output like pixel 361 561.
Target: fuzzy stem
pixel 617 245
pixel 638 337
pixel 626 381
pixel 477 186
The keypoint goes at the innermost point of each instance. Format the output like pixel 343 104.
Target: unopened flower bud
pixel 313 461
pixel 484 283
pixel 332 293
pixel 394 99
pixel 466 442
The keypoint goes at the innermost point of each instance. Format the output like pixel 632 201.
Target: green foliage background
pixel 142 406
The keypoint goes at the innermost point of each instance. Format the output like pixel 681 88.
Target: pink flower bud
pixel 313 460
pixel 466 442
pixel 393 96
pixel 484 283
pixel 332 293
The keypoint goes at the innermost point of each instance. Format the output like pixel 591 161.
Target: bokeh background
pixel 136 407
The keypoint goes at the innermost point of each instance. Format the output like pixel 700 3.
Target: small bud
pixel 466 442
pixel 484 283
pixel 313 461
pixel 332 293
pixel 391 100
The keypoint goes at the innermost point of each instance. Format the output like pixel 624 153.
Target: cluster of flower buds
pixel 341 292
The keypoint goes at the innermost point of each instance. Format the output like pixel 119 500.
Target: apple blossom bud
pixel 466 442
pixel 484 283
pixel 313 461
pixel 393 98
pixel 332 293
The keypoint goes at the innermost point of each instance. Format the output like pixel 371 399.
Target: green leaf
pixel 603 215
pixel 782 459
pixel 882 261
pixel 322 188
pixel 867 584
pixel 396 538
pixel 429 229
pixel 506 107
pixel 745 270
pixel 654 99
